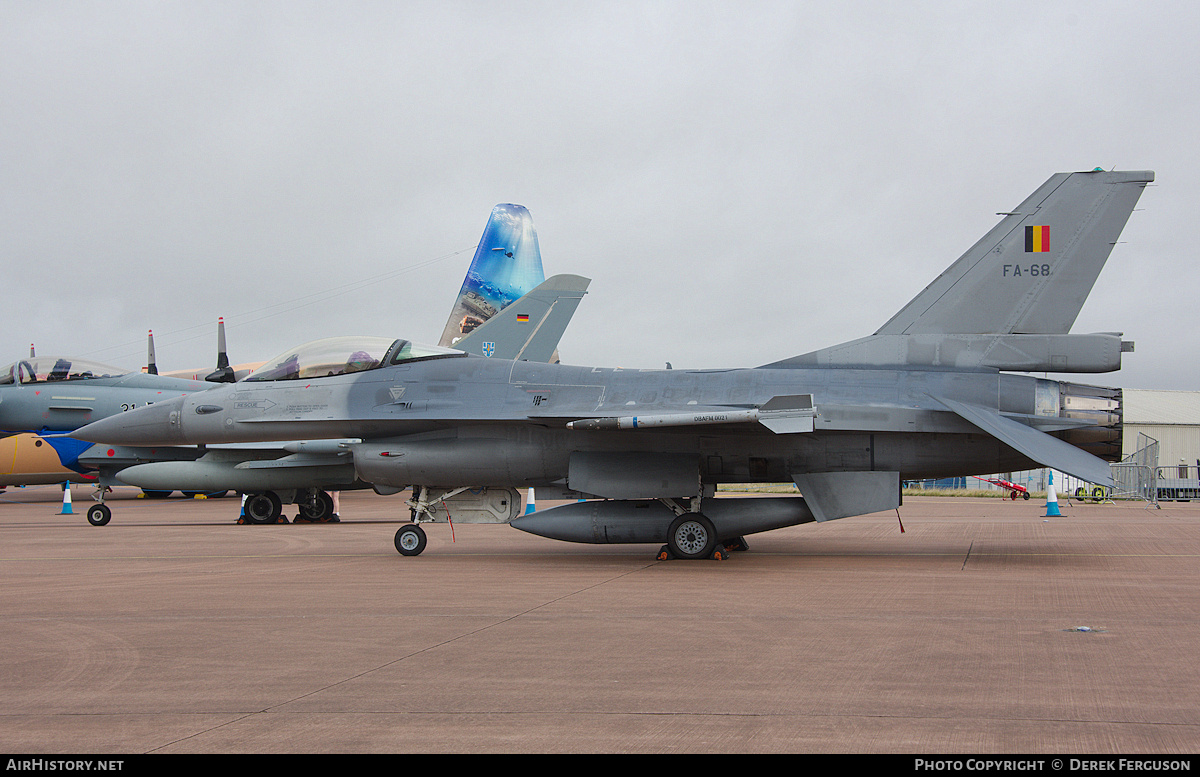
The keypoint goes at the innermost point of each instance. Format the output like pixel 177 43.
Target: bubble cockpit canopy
pixel 344 355
pixel 41 369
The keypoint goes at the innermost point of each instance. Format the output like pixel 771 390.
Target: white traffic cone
pixel 529 506
pixel 1051 499
pixel 66 507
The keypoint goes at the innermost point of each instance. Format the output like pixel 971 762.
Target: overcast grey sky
pixel 743 181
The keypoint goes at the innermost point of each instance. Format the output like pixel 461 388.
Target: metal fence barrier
pixel 1179 483
pixel 1133 481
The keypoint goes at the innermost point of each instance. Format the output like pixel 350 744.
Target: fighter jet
pixel 517 314
pixel 47 394
pixel 50 395
pixel 929 395
pixel 300 471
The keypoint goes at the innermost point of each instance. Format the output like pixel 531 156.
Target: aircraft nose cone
pixel 157 424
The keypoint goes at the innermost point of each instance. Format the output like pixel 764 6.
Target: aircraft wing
pixel 1039 446
pixel 529 329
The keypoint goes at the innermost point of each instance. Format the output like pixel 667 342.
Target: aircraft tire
pixel 263 508
pixel 322 510
pixel 1026 496
pixel 691 536
pixel 410 540
pixel 99 515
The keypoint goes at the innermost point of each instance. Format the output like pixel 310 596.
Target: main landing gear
pixel 266 507
pixel 693 536
pixel 317 508
pixel 263 508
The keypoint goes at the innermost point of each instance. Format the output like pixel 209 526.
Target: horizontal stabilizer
pixel 529 329
pixel 1042 448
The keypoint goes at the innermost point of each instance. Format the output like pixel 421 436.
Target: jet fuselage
pixel 495 422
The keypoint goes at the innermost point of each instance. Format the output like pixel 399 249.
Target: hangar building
pixel 1170 417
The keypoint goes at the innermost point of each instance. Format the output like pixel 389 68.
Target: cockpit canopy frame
pixel 344 355
pixel 47 369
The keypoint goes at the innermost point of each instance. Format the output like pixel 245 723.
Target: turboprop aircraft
pixel 929 395
pixel 507 266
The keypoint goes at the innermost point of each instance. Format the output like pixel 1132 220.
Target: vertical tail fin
pixel 1033 271
pixel 507 265
pixel 1010 301
pixel 530 328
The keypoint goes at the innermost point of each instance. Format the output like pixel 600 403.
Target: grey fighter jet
pixel 506 308
pixel 930 394
pixel 51 395
pixel 514 312
pixel 55 394
pixel 48 395
pixel 299 471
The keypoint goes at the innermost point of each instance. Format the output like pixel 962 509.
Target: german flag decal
pixel 1037 240
pixel 522 318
